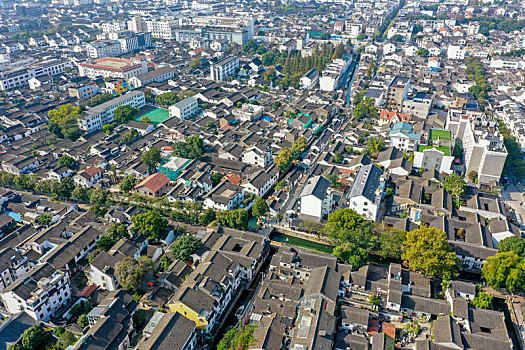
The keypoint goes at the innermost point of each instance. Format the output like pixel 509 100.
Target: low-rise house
pixel 184 109
pixel 88 177
pixel 225 196
pixel 367 191
pixel 153 186
pixel 316 198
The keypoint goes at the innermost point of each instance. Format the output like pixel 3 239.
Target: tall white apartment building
pixel 224 68
pixel 104 48
pixel 20 76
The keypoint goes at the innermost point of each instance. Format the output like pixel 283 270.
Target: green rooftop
pixel 444 149
pixel 436 134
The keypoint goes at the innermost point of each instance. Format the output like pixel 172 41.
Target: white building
pixel 158 76
pixel 316 199
pixel 333 75
pixel 184 109
pixel 42 292
pixel 258 156
pixel 20 76
pixel 456 52
pixel 507 62
pixel 112 68
pixel 224 68
pixel 104 48
pixel 367 191
pixel 310 80
pixel 102 114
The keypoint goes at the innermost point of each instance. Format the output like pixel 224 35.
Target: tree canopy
pixel 128 183
pixel 513 244
pixel 124 114
pixel 427 250
pixel 184 247
pixel 191 148
pixel 237 218
pixel 130 272
pixel 505 269
pixel 63 121
pixel 260 207
pixel 237 339
pixel 151 158
pixel 150 224
pixel 99 99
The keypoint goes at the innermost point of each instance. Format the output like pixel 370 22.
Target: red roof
pixel 389 329
pixel 86 292
pixel 234 179
pixel 92 171
pixel 154 182
pixel 387 115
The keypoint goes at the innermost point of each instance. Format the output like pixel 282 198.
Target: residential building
pixel 158 76
pixel 185 109
pixel 112 68
pixel 20 76
pixel 316 198
pixel 153 186
pixel 103 48
pixel 224 68
pixel 310 80
pixel 367 192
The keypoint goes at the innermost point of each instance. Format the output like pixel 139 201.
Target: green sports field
pixel 156 115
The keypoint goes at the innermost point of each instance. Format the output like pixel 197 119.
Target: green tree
pixel 131 135
pixel 338 158
pixel 191 148
pixel 167 99
pixel 311 226
pixel 124 114
pixel 210 125
pixel 482 300
pixel 151 158
pixel 237 218
pixel 150 224
pixel 422 52
pixel 351 253
pixel 512 244
pixel 390 243
pixel 427 250
pixel 186 93
pixel 376 144
pixel 145 119
pixel 99 99
pixel 207 217
pixel 365 109
pixel 83 321
pixel 139 319
pixel 237 339
pixel 184 247
pixel 65 339
pixel 345 224
pixel 33 338
pixel 455 185
pixel 63 121
pixel 164 263
pixel 98 210
pixel 128 183
pixel 98 196
pixel 108 128
pixel 299 145
pixel 131 272
pixel 260 207
pixel 80 194
pixel 505 269
pixel 473 176
pixel 195 64
pixel 284 159
pixel 44 220
pixel 66 161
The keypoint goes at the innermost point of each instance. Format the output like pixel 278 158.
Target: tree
pixel 390 243
pixel 284 159
pixel 114 233
pixel 338 158
pixel 196 63
pixel 167 99
pixel 473 176
pixel 351 253
pixel 33 338
pixel 365 109
pixel 299 145
pixel 237 219
pixel 66 161
pixel 139 319
pixel 83 321
pixel 184 247
pixel 455 185
pixel 311 226
pixel 482 300
pixel 67 338
pixel 108 128
pixel 124 114
pixel 150 223
pixel 63 121
pixel 237 339
pixel 334 180
pixel 505 269
pixel 513 244
pixel 44 220
pixel 128 183
pixel 131 135
pixel 80 194
pixel 99 99
pixel 345 224
pixel 98 196
pixel 164 262
pixel 98 210
pixel 374 300
pixel 427 250
pixel 151 158
pixel 145 119
pixel 422 52
pixel 260 207
pixel 131 272
pixel 279 217
pixel 376 144
pixel 191 148
pixel 210 125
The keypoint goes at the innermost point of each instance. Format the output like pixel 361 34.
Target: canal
pixel 303 243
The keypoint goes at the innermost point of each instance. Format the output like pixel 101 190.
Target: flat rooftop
pixel 111 63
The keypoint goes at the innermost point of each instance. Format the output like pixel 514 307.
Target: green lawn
pixel 444 149
pixel 436 134
pixel 156 115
